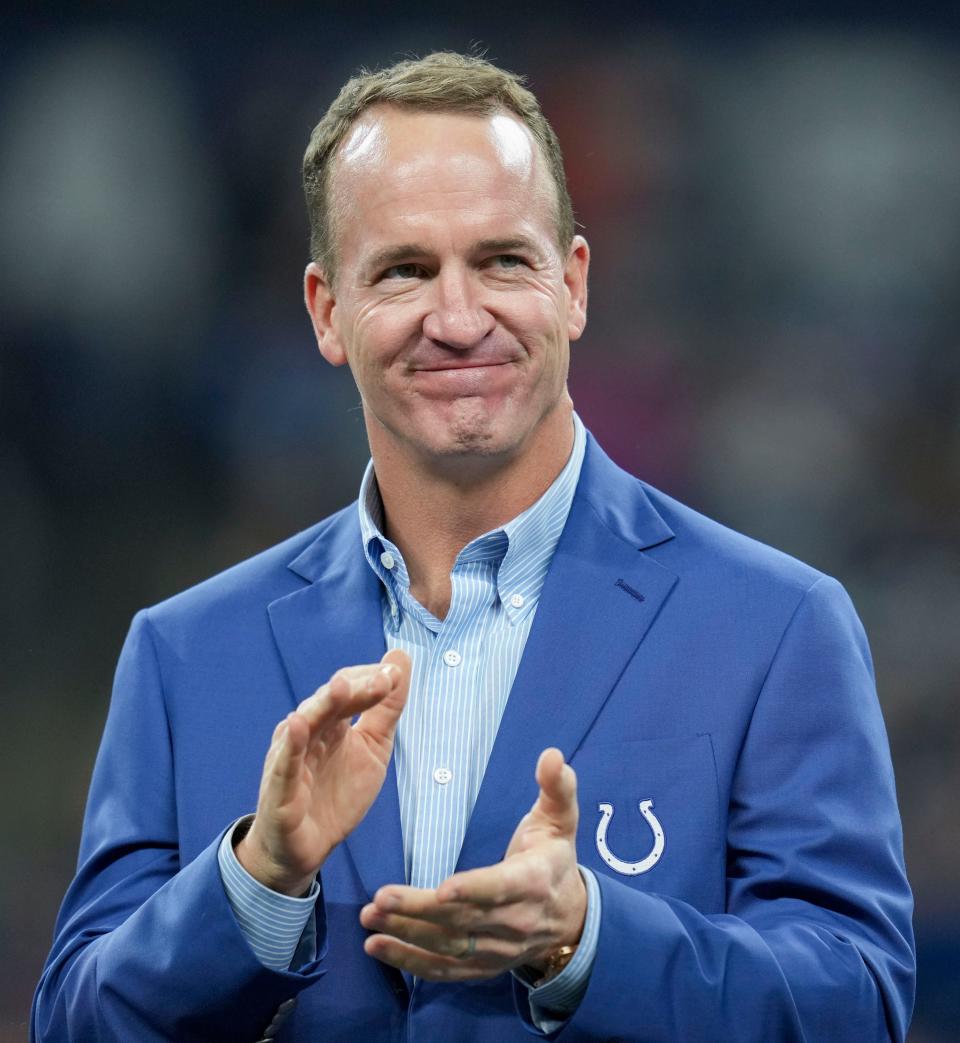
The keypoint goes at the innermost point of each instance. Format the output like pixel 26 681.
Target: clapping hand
pixel 482 922
pixel 321 774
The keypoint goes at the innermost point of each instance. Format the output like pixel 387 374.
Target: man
pixel 732 865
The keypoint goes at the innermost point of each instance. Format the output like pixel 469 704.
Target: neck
pixel 431 513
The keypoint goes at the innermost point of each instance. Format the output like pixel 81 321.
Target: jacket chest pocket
pixel 650 817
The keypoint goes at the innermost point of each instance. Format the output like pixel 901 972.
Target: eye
pixel 402 271
pixel 508 261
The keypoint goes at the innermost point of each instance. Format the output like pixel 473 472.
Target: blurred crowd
pixel 773 338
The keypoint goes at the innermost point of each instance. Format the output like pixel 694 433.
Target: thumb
pixel 557 802
pixel 380 721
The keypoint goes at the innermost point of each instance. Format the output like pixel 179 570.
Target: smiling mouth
pixel 453 367
pixel 465 379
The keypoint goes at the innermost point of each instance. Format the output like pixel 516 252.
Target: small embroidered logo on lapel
pixel 617 864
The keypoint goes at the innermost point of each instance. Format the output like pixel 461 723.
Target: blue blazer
pixel 672 661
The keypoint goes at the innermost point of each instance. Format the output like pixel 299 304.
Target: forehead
pixel 398 168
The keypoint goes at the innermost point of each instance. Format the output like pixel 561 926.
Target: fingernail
pixel 392 671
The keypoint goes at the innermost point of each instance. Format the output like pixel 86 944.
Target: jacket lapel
pixel 337 621
pixel 600 597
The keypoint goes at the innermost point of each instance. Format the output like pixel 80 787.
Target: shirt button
pixel 452 657
pixel 442 775
pixel 387 560
pixel 516 600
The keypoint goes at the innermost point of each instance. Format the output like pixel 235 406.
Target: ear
pixel 575 281
pixel 320 301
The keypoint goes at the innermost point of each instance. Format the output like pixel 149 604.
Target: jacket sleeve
pixel 816 942
pixel 146 948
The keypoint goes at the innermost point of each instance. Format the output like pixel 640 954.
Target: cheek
pixel 376 341
pixel 542 324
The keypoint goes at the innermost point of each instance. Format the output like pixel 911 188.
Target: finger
pixel 356 676
pixel 348 693
pixel 423 964
pixel 380 721
pixel 461 899
pixel 558 791
pixel 420 902
pixel 425 905
pixel 351 673
pixel 442 930
pixel 443 941
pixel 284 764
pixel 522 878
pixel 278 743
pixel 278 733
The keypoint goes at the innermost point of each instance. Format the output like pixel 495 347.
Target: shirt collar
pixel 519 551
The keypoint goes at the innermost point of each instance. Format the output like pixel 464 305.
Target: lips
pixel 464 360
pixel 468 378
pixel 451 366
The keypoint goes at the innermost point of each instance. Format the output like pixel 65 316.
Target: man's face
pixel 452 304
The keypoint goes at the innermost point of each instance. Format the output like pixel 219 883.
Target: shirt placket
pixel 448 771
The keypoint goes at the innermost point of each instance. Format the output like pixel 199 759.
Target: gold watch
pixel 556 961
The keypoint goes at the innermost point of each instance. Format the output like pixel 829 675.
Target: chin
pixel 466 441
pixel 471 432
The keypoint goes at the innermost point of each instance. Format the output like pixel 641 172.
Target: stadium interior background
pixel 773 200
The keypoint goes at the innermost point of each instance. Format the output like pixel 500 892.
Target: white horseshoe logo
pixel 617 864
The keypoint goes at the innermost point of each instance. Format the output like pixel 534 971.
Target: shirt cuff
pixel 272 923
pixel 552 1003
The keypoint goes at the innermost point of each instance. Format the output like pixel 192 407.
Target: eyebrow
pixel 392 255
pixel 517 242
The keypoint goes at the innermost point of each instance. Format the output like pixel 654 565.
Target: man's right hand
pixel 321 775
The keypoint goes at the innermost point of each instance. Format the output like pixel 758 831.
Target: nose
pixel 457 317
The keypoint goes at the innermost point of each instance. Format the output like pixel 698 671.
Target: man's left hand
pixel 482 922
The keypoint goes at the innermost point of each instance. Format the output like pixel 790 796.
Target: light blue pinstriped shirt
pixel 463 670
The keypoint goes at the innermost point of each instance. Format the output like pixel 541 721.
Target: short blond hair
pixel 439 82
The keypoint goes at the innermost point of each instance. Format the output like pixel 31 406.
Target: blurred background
pixel 772 194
